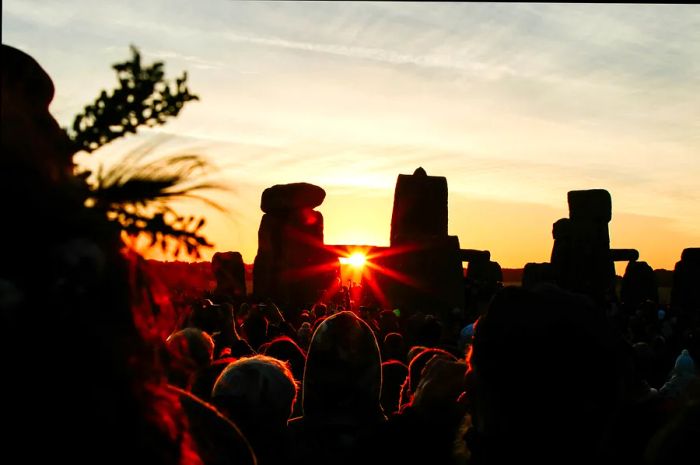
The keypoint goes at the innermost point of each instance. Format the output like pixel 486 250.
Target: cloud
pixel 382 55
pixel 196 61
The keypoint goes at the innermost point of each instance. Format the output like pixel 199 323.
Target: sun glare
pixel 356 260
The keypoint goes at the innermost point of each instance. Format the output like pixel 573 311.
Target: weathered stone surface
pixel 638 285
pixel 420 208
pixel 561 229
pixel 537 273
pixel 229 271
pixel 685 295
pixel 624 255
pixel 473 255
pixel 291 196
pixel 590 205
pixel 691 254
pixel 428 278
pixel 292 263
pixel 581 257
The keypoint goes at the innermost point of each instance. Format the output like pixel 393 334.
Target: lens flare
pixel 356 260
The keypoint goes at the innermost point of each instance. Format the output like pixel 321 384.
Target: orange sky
pixel 515 104
pixel 515 232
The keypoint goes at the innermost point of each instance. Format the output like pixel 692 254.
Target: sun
pixel 356 260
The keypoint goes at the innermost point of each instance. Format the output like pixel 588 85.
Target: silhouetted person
pixel 393 375
pixel 426 428
pixel 217 439
pixel 415 371
pixel 205 378
pixel 683 374
pixel 542 384
pixel 258 394
pixel 188 351
pixel 341 392
pixel 677 441
pixel 218 320
pixel 393 348
pixel 641 411
pixel 254 329
pixel 102 395
pixel 285 349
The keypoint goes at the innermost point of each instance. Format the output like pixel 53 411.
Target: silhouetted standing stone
pixel 427 268
pixel 561 253
pixel 294 196
pixel 685 295
pixel 291 266
pixel 581 257
pixel 537 273
pixel 420 208
pixel 425 276
pixel 229 271
pixel 639 285
pixel 594 205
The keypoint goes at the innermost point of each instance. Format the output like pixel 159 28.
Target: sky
pixel 515 104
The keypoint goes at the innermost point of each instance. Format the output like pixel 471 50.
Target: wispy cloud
pixel 512 102
pixel 382 55
pixel 196 61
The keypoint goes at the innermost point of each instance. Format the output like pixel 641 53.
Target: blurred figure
pixel 425 430
pixel 415 371
pixel 64 273
pixel 684 373
pixel 304 335
pixel 188 351
pixel 254 329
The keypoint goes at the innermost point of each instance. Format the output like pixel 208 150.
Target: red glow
pixel 356 260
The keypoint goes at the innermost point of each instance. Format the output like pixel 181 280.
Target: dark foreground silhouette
pixel 100 370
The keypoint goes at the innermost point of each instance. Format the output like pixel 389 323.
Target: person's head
pixel 258 390
pixel 204 378
pixel 393 347
pixel 318 311
pixel 418 363
pixel 393 375
pixel 388 322
pixel 31 137
pixel 286 350
pixel 78 279
pixel 542 365
pixel 343 374
pixel 254 329
pixel 304 334
pixel 210 317
pixel 188 350
pixel 440 387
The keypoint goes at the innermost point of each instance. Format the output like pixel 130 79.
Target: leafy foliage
pixel 143 97
pixel 135 192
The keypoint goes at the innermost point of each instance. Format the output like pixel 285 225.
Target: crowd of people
pixel 100 371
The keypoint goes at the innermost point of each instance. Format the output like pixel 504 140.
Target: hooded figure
pixel 682 375
pixel 341 392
